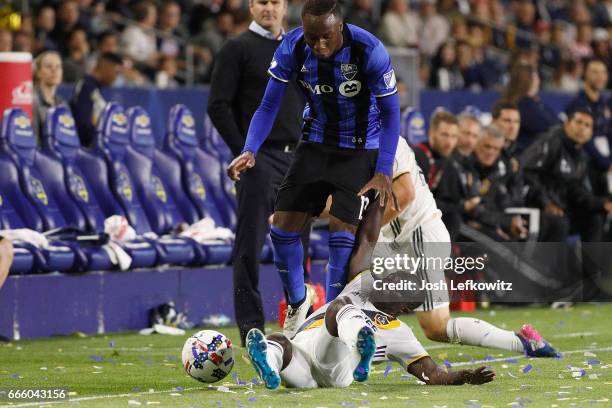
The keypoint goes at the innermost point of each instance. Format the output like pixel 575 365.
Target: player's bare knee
pixel 290 221
pixel 332 311
pixel 285 343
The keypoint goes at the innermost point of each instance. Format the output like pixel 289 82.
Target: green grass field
pixel 126 369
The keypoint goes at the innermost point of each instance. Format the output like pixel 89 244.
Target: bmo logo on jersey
pixel 347 88
pixel 317 89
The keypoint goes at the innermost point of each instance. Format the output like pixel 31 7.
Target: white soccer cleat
pixel 295 317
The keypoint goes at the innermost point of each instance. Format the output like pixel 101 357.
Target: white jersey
pixel 395 341
pixel 422 209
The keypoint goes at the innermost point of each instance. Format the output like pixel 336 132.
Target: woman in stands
pixel 48 74
pixel 536 117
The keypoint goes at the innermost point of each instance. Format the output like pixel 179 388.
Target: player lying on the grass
pixel 339 341
pixel 417 229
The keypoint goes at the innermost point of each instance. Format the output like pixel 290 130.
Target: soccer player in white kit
pixel 337 344
pixel 339 341
pixel 417 229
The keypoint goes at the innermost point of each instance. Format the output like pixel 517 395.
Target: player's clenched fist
pixel 241 163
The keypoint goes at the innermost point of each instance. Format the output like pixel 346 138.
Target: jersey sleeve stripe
pixel 401 174
pixel 277 78
pixel 387 94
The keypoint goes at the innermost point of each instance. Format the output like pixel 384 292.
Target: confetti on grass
pixel 387 370
pixel 527 368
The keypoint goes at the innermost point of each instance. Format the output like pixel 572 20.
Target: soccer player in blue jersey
pixel 350 133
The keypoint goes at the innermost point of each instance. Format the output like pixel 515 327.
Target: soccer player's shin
pixel 476 332
pixel 340 248
pixel 288 258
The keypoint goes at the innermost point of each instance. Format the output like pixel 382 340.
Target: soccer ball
pixel 208 356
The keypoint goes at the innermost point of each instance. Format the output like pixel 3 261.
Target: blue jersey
pixel 342 91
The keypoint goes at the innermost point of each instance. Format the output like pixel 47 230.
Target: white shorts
pixel 330 361
pixel 431 242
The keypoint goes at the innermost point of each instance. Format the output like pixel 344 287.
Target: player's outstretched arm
pixel 6 258
pixel 259 129
pixel 365 239
pixel 426 370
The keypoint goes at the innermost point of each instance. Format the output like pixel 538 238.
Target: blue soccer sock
pixel 288 258
pixel 340 249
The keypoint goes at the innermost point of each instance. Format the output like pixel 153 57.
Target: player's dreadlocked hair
pixel 322 7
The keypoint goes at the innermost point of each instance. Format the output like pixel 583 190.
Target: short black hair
pixel 502 105
pixel 112 57
pixel 585 110
pixel 322 7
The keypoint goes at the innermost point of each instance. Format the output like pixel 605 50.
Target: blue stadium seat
pixel 157 178
pixel 413 127
pixel 22 184
pixel 212 142
pixel 62 143
pixel 204 178
pixel 201 172
pixel 112 140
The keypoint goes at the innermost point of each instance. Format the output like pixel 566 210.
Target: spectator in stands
pixel 22 42
pixel 568 76
pixel 601 47
pixel 6 258
pixel 536 117
pixel 107 41
pixel 165 78
pixel 599 147
pixel 67 22
pixel 170 35
pixel 214 36
pixel 78 51
pixel 138 40
pixel 6 40
pixel 47 77
pixel 88 101
pixel 507 118
pixel 556 169
pixel 434 158
pixel 469 133
pixel 434 28
pixel 525 18
pixel 602 13
pixel 459 29
pixel 362 15
pixel 488 215
pixel 399 26
pixel 45 23
pixel 238 83
pixel 580 48
pixel 445 71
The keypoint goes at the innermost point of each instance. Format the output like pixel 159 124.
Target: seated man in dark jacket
pixel 556 170
pixel 491 182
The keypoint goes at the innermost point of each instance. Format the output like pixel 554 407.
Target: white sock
pixel 350 320
pixel 275 355
pixel 297 374
pixel 476 332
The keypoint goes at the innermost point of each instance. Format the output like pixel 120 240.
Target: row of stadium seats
pixel 64 186
pixel 69 190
